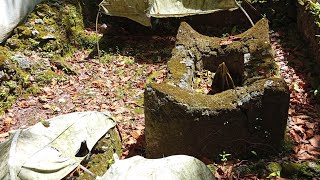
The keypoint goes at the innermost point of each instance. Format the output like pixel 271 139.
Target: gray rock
pixel 38 21
pixel 35 32
pixel 49 37
pixel 22 61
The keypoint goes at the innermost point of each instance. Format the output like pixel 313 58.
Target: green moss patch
pixel 196 52
pixel 50 33
pixel 102 154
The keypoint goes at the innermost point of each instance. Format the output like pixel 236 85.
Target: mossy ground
pixel 284 169
pixel 51 32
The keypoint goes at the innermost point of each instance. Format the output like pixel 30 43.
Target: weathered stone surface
pixel 179 121
pixel 250 117
pixel 23 62
pixel 309 25
pixel 195 51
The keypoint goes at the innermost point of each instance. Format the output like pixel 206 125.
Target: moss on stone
pixel 274 167
pixel 195 51
pixel 60 63
pixel 102 154
pixel 4 55
pixel 300 170
pixel 73 21
pixel 176 68
pixel 258 168
pixel 286 169
pixel 33 90
pixel 55 29
pixel 46 77
pixel 252 110
pixel 224 100
pixel 6 102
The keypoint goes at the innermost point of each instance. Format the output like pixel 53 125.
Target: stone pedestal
pixel 250 117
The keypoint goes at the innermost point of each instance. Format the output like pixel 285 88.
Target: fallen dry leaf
pixel 8 121
pixel 131 141
pixel 303 155
pixel 309 133
pixel 295 136
pixel 225 42
pixel 298 121
pixel 4 135
pixel 136 134
pixel 302 116
pixel 98 83
pixel 315 141
pixel 310 125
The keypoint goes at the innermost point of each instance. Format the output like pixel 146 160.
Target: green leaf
pixel 274 174
pixel 253 152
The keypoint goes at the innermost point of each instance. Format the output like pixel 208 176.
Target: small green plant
pixel 315 8
pixel 274 174
pixel 274 169
pixel 224 156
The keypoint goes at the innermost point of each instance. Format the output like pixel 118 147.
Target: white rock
pixel 170 168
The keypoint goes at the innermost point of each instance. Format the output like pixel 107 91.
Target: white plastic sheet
pixel 141 10
pixel 41 152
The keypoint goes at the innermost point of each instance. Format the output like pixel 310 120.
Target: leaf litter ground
pixel 116 82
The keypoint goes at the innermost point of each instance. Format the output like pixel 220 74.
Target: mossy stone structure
pixel 308 23
pixel 252 116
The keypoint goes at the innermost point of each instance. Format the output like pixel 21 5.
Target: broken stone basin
pixel 250 117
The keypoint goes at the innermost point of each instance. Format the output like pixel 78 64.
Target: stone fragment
pixel 22 61
pixel 49 37
pixel 38 21
pixel 222 80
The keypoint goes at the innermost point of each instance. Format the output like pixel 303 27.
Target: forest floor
pixel 116 83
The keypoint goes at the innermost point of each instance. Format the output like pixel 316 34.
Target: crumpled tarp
pixel 168 168
pixel 40 152
pixel 141 10
pixel 13 12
